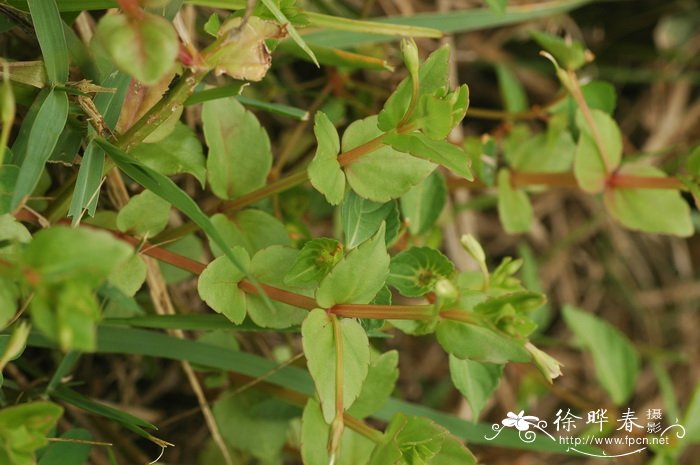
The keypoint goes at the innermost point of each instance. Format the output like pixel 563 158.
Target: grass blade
pixel 49 30
pixel 229 90
pixel 371 27
pixel 87 185
pixel 118 340
pixel 276 108
pixel 165 188
pixel 454 21
pixel 43 135
pixel 291 30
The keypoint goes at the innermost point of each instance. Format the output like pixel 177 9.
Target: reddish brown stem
pixel 348 157
pixel 131 8
pixel 383 312
pixel 280 295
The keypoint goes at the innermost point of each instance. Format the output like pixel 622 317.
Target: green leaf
pixel 498 6
pixel 239 149
pixel 130 276
pixel 8 180
pixel 254 422
pixel 270 266
pixel 88 183
pixel 414 272
pixel 23 430
pixel 436 151
pixel 691 418
pixel 218 285
pixel 189 246
pixel 379 384
pixel 319 341
pixel 67 314
pixel 44 133
pixel 49 31
pixel 385 173
pixel 315 260
pixel 324 170
pixel 359 276
pixel 589 168
pixel 550 152
pixel 396 106
pixel 660 211
pixel 355 449
pixel 62 255
pixel 168 190
pixel 12 235
pixel 571 54
pixel 145 215
pixel 409 441
pixel 452 452
pixel 146 47
pixel 476 381
pixel 68 453
pixel 468 341
pixel 9 294
pixel 512 92
pixel 361 218
pixel 180 152
pixel 251 229
pixel 615 358
pixel 508 312
pixel 514 207
pixel 421 206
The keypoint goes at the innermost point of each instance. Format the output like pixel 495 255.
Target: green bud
pixel 548 365
pixel 410 57
pixel 472 246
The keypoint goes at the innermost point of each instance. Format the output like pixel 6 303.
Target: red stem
pixel 131 8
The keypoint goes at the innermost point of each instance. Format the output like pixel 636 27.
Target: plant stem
pixel 577 94
pixel 337 425
pixel 280 295
pixel 383 312
pixel 348 157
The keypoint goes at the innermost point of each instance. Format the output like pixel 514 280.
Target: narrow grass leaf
pixel 47 127
pixel 49 31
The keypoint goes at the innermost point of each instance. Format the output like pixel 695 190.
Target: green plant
pixel 133 196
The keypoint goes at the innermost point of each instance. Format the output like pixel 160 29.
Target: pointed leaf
pixel 615 358
pixel 437 151
pixel 319 342
pixel 361 218
pixel 358 277
pixel 468 341
pixel 514 208
pixel 44 133
pixel 589 167
pixel 324 171
pixel 475 380
pixel 660 211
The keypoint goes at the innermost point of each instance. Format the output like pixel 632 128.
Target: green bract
pixel 358 277
pixel 144 47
